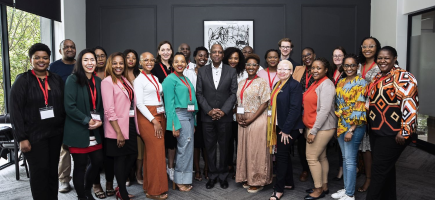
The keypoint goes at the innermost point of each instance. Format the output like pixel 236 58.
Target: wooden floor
pixel 415 180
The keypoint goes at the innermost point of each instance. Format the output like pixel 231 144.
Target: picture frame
pixel 229 33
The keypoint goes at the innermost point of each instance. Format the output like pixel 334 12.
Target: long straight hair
pixel 78 70
pixel 109 68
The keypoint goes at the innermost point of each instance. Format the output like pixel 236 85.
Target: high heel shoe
pixel 117 190
pixel 118 195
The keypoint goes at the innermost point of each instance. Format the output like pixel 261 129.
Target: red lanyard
pixel 164 70
pixel 313 86
pixel 364 72
pixel 373 85
pixel 44 90
pixel 244 88
pixel 156 85
pixel 93 93
pixel 307 80
pixel 187 85
pixel 270 82
pixel 338 78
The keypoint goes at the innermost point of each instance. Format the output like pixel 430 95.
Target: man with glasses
pixel 285 47
pixel 64 67
pixel 216 88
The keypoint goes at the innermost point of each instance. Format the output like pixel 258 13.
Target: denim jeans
pixel 350 154
pixel 184 168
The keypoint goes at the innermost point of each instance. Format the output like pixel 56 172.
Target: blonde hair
pixel 285 62
pixel 109 68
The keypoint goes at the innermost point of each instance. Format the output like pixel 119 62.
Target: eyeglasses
pixel 350 66
pixel 367 47
pixel 149 60
pixel 251 64
pixel 283 69
pixel 101 56
pixel 337 56
pixel 285 47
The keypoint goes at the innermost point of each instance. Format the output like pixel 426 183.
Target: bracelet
pixel 350 131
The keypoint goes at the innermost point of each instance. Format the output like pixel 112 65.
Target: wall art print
pixel 229 33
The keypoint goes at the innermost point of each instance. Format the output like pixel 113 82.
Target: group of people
pixel 108 112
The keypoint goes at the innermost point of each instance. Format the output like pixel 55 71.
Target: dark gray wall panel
pixel 128 27
pixel 306 22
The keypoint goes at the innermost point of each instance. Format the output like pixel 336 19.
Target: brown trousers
pixel 155 181
pixel 316 156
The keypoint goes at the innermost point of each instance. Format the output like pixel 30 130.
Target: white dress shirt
pixel 217 72
pixel 146 94
pixel 191 75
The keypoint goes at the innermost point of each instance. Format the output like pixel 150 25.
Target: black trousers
pixel 43 159
pixel 108 165
pixel 284 167
pixel 385 153
pixel 81 175
pixel 217 132
pixel 233 138
pixel 302 148
pixel 123 165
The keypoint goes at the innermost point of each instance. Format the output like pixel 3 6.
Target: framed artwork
pixel 229 33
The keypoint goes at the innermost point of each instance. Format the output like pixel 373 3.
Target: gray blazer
pixel 224 97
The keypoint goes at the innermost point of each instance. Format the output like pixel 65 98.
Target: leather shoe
pixel 224 184
pixel 303 176
pixel 210 183
pixel 309 191
pixel 308 197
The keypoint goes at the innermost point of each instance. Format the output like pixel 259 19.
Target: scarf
pixel 271 120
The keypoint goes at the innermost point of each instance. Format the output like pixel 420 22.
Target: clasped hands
pixel 243 121
pixel 93 124
pixel 216 113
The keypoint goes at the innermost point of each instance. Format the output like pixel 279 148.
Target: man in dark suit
pixel 216 89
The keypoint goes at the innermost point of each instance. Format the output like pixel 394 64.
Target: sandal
pixel 274 196
pixel 161 196
pixel 99 192
pixel 109 189
pixel 129 195
pixel 254 189
pixel 198 176
pixel 245 185
pixel 289 187
pixel 206 173
pixel 184 188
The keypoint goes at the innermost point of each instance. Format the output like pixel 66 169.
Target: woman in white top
pixel 201 56
pixel 152 124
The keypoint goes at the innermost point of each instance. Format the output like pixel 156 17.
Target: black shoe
pixel 88 195
pixel 224 184
pixel 308 197
pixel 210 183
pixel 309 191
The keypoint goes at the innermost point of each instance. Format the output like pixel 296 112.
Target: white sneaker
pixel 345 197
pixel 64 187
pixel 339 194
pixel 170 172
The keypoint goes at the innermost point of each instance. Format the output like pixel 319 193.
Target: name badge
pixel 131 113
pixel 240 110
pixel 47 112
pixel 269 112
pixel 190 108
pixel 95 115
pixel 160 110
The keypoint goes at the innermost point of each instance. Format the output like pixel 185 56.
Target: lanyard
pixel 364 72
pixel 244 88
pixel 93 93
pixel 313 86
pixel 44 90
pixel 156 85
pixel 270 82
pixel 187 85
pixel 374 84
pixel 273 95
pixel 338 78
pixel 307 80
pixel 164 70
pixel 129 90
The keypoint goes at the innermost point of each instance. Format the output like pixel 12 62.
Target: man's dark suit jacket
pixel 289 106
pixel 224 97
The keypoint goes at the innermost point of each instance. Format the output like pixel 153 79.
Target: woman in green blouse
pixel 181 107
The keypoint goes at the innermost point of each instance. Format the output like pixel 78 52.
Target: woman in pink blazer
pixel 119 104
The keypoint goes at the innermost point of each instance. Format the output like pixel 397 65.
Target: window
pixel 24 31
pixel 421 63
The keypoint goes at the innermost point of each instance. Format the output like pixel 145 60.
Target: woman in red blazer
pixel 119 104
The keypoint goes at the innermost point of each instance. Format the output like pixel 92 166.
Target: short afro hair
pixel 253 56
pixel 39 47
